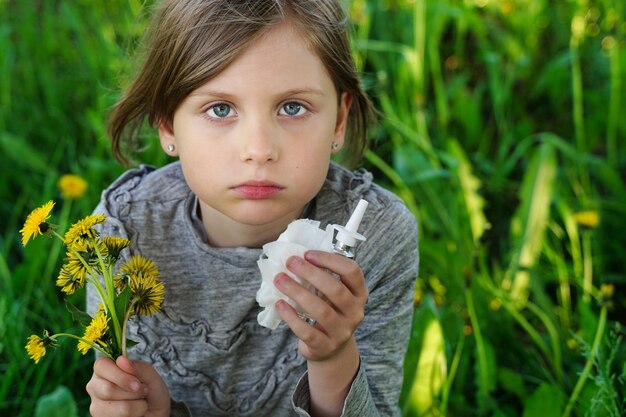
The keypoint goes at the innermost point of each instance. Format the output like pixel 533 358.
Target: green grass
pixel 501 120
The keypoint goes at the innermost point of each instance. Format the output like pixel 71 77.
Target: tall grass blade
pixel 530 220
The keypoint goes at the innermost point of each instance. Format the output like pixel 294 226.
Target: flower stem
pixel 107 274
pixel 124 326
pixel 590 359
pixel 93 345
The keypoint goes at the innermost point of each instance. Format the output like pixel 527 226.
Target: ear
pixel 345 102
pixel 167 137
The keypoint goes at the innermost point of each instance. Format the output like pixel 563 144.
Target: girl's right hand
pixel 127 388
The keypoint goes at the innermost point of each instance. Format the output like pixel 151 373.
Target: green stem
pixel 587 267
pixel 454 366
pixel 554 338
pixel 577 80
pixel 124 326
pixel 110 289
pixel 93 345
pixel 614 104
pixel 590 359
pixel 480 345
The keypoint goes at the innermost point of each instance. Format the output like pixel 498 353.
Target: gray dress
pixel 206 343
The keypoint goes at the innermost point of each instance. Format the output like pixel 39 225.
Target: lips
pixel 257 190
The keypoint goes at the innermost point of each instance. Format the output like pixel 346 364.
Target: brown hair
pixel 191 41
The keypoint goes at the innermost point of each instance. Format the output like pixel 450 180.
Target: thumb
pixel 158 394
pixel 126 365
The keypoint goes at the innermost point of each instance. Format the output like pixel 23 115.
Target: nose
pixel 259 142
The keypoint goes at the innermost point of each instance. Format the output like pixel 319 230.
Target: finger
pixel 126 365
pixel 349 271
pixel 100 389
pixel 106 369
pixel 333 289
pixel 118 408
pixel 313 336
pixel 158 394
pixel 308 301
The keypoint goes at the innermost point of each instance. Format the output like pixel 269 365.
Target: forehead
pixel 280 58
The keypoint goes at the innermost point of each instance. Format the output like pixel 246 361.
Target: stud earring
pixel 334 146
pixel 170 148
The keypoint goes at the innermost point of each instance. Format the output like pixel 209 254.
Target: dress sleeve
pixel 390 261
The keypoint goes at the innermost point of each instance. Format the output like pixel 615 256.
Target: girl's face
pixel 255 142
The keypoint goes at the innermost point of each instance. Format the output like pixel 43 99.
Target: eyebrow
pixel 225 95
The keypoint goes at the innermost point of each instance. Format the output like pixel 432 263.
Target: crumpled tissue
pixel 301 235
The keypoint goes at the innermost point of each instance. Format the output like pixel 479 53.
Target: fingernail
pixel 135 386
pixel 145 391
pixel 280 280
pixel 280 305
pixel 294 261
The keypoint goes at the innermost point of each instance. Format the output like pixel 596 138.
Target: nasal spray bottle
pixel 346 239
pixel 347 235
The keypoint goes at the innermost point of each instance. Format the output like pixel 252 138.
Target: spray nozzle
pixel 347 235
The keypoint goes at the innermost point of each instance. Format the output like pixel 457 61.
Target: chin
pixel 265 213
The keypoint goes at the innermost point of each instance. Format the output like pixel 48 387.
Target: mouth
pixel 257 190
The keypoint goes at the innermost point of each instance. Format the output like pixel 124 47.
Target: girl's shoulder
pixel 146 183
pixel 343 185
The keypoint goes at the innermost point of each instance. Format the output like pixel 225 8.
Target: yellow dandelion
pixel 72 186
pixel 36 347
pixel 148 294
pixel 607 290
pixel 83 230
pixel 35 223
pixel 115 245
pixel 95 332
pixel 137 265
pixel 83 260
pixel 69 282
pixel 588 218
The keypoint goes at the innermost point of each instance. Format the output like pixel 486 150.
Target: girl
pixel 254 97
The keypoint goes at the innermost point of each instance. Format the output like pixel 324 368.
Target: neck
pixel 224 232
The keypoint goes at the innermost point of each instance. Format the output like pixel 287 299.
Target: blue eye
pixel 220 111
pixel 292 109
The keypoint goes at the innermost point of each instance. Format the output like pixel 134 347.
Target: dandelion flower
pixel 148 294
pixel 588 218
pixel 95 332
pixel 72 186
pixel 115 245
pixel 83 260
pixel 137 265
pixel 83 230
pixel 35 347
pixel 69 282
pixel 35 223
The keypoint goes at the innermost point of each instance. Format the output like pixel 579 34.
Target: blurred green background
pixel 502 127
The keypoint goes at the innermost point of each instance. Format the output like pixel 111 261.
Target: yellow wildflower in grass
pixel 83 230
pixel 135 266
pixel 72 186
pixel 148 294
pixel 94 332
pixel 69 282
pixel 588 218
pixel 35 223
pixel 35 348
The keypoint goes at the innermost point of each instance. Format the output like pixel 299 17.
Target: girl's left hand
pixel 338 317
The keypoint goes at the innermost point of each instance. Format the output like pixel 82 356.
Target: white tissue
pixel 300 236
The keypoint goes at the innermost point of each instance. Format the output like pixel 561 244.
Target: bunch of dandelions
pixel 135 289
